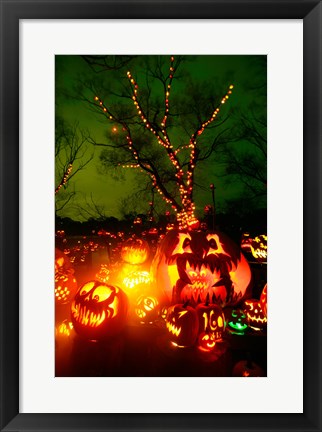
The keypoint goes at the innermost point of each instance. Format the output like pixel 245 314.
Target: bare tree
pixel 152 133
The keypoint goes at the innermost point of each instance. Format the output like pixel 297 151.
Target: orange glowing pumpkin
pixel 99 310
pixel 135 251
pixel 257 246
pixel 211 325
pixel 189 266
pixel 65 287
pixel 136 280
pixel 182 325
pixel 147 309
pixel 255 315
pixel 62 262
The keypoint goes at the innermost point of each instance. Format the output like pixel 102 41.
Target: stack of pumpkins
pixel 198 273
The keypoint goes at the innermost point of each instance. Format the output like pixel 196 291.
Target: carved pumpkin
pixel 237 321
pixel 136 279
pixel 147 309
pixel 64 329
pixel 211 324
pixel 263 300
pixel 65 287
pixel 188 266
pixel 135 251
pixel 247 368
pixel 103 274
pixel 257 246
pixel 99 310
pixel 62 262
pixel 206 341
pixel 255 315
pixel 182 325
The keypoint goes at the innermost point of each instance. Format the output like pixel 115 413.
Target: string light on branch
pixel 65 178
pixel 183 173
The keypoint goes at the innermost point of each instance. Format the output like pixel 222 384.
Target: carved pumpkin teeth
pixel 173 329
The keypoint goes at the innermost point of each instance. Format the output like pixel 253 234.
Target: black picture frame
pixel 11 12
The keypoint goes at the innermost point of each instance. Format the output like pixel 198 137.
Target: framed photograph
pixel 134 135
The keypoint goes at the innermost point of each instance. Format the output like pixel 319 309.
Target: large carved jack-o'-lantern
pixel 189 266
pixel 99 310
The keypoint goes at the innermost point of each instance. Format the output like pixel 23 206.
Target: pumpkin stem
pixel 207 299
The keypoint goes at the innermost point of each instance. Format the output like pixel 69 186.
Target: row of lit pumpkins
pixel 191 266
pixel 100 311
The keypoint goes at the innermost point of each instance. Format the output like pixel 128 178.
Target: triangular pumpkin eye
pixel 213 244
pixel 182 313
pixel 186 243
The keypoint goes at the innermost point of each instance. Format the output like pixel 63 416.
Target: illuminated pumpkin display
pixel 263 300
pixel 247 368
pixel 182 324
pixel 135 251
pixel 237 321
pixel 99 310
pixel 257 246
pixel 255 315
pixel 188 266
pixel 65 287
pixel 147 309
pixel 211 325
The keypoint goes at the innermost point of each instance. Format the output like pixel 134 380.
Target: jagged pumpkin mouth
pixel 173 329
pixel 198 277
pixel 87 317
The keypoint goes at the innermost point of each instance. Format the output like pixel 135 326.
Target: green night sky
pixel 211 73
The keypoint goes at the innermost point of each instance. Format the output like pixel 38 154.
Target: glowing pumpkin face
pixel 255 315
pixel 65 287
pixel 64 329
pixel 256 246
pixel 190 266
pixel 147 309
pixel 211 324
pixel 99 310
pixel 182 325
pixel 236 320
pixel 135 251
pixel 206 341
pixel 263 300
pixel 137 280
